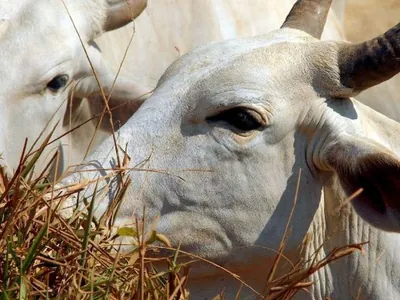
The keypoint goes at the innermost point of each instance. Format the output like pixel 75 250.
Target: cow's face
pixel 228 123
pixel 226 133
pixel 229 127
pixel 42 54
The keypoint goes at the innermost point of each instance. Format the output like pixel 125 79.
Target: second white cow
pixel 42 55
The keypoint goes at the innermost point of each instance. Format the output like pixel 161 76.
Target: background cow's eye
pixel 241 118
pixel 57 83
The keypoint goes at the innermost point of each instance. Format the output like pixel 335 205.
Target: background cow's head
pixel 41 57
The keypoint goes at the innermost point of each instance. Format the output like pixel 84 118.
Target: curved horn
pixel 121 12
pixel 370 63
pixel 308 16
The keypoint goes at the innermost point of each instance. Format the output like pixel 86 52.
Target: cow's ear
pixel 362 163
pixel 121 12
pixel 125 99
pixel 125 96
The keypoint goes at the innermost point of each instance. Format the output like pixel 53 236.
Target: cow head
pixel 231 124
pixel 42 53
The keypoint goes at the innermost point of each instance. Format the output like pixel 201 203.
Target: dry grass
pixel 46 256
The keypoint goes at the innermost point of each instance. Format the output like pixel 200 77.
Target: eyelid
pixel 260 112
pixel 60 68
pixel 241 119
pixel 65 78
pixel 257 115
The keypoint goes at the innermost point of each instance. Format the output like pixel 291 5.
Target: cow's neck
pixel 372 274
pixel 378 127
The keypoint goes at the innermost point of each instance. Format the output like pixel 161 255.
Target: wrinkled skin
pixel 238 186
pixel 42 58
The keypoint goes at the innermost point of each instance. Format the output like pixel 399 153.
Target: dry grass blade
pixel 348 200
pixel 111 91
pixel 103 94
pixel 294 282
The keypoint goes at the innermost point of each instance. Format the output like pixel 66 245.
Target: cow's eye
pixel 58 83
pixel 240 118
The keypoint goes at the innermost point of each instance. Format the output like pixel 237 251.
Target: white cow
pixel 251 113
pixel 41 56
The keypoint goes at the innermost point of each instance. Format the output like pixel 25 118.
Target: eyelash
pixel 239 118
pixel 57 83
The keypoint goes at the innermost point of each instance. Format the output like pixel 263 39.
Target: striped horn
pixel 308 16
pixel 372 62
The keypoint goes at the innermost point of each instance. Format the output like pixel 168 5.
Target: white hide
pixel 39 43
pixel 238 188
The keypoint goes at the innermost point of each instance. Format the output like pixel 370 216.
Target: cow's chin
pixel 197 234
pixel 203 239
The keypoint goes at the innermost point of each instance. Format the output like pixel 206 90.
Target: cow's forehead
pixel 228 62
pixel 207 58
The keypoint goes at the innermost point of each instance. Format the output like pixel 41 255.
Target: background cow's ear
pixel 121 12
pixel 362 163
pixel 124 101
pixel 126 96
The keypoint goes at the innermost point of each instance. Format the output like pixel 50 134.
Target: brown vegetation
pixel 47 256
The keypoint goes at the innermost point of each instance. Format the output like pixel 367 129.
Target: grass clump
pixel 47 256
